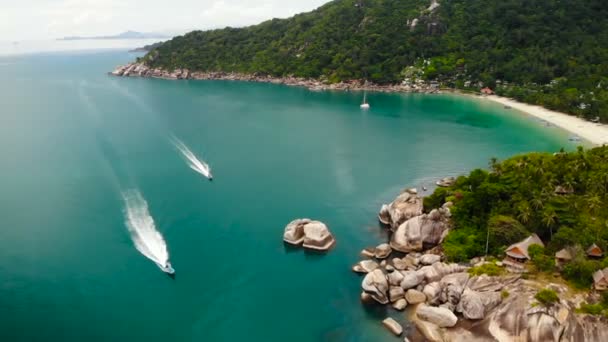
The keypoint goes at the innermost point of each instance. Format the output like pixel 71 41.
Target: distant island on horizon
pixel 123 35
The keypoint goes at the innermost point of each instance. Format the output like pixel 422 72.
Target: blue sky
pixel 49 19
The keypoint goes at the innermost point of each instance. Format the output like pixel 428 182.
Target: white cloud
pixel 48 19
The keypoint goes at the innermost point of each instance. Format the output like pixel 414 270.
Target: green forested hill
pixel 549 52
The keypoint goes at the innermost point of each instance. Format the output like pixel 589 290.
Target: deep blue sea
pixel 74 140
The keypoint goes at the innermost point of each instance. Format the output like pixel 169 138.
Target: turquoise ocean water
pixel 73 140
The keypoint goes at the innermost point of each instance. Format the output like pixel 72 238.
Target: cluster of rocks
pixel 142 70
pixel 309 234
pixel 412 230
pixel 446 302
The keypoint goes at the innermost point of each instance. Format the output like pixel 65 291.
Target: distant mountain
pixel 124 35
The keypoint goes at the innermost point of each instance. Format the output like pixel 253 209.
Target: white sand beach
pixel 595 133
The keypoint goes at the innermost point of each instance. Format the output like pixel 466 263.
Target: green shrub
pixel 504 231
pixel 504 294
pixel 592 309
pixel 542 262
pixel 490 269
pixel 546 297
pixel 580 271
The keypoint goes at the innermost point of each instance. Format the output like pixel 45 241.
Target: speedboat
pixel 167 268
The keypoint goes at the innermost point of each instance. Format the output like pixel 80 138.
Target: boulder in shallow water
pixel 442 317
pixel 317 236
pixel 294 231
pixel 376 285
pixel 365 266
pixel 404 207
pixel 367 253
pixel 430 331
pixel 393 326
pixel 400 305
pixel 383 251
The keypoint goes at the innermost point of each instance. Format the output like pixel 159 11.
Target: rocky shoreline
pixel 142 70
pixel 446 303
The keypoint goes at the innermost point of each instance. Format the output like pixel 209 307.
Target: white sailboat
pixel 365 105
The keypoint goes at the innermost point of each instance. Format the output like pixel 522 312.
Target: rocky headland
pixel 447 303
pixel 142 70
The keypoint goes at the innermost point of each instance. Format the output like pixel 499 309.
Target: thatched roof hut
pixel 600 279
pixel 595 251
pixel 519 251
pixel 563 255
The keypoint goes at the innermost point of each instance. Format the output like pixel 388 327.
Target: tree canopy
pixel 548 52
pixel 562 197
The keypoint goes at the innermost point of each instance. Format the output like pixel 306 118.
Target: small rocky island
pixel 309 234
pixel 447 302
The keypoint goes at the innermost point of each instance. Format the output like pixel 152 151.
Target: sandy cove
pixel 595 133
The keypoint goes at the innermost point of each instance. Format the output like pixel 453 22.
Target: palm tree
pixel 549 219
pixel 594 203
pixel 524 212
pixel 537 202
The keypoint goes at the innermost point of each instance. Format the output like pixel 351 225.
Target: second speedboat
pixel 167 268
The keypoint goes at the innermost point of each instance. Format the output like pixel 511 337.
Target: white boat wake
pixel 146 238
pixel 194 163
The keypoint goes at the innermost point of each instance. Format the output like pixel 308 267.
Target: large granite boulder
pixel 415 297
pixel 438 271
pixel 400 264
pixel 404 207
pixel 376 285
pixel 432 291
pixel 395 278
pixel 317 236
pixel 382 251
pixel 429 259
pixel 395 293
pixel 365 266
pixel 420 232
pixel 430 331
pixel 294 231
pixel 474 305
pixel 410 279
pixel 441 317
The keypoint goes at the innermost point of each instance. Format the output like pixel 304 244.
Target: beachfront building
pixel 487 91
pixel 562 257
pixel 595 251
pixel 517 253
pixel 600 279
